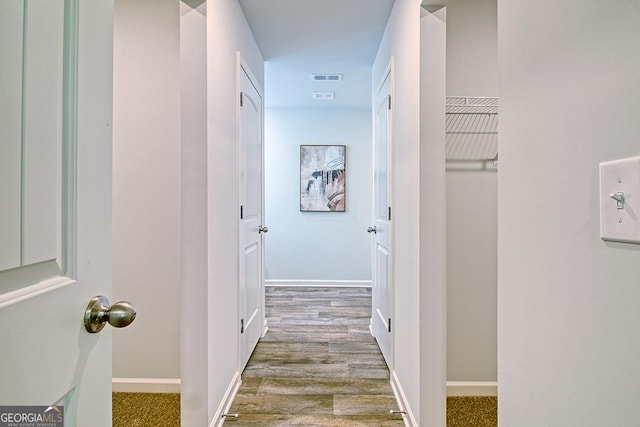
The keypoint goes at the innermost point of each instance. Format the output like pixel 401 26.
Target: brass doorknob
pixel 99 312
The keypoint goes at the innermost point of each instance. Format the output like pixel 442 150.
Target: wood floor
pixel 318 365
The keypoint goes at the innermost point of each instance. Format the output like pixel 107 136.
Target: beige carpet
pixel 146 410
pixel 472 411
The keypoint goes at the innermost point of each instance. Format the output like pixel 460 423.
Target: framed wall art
pixel 323 178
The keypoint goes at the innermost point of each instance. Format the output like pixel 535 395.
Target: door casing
pixel 251 254
pixel 382 313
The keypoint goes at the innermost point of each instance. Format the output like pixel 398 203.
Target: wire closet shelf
pixel 472 132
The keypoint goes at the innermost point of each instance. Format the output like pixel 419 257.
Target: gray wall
pixel 146 186
pixel 472 234
pixel 472 51
pixel 316 245
pixel 568 315
pixel 471 204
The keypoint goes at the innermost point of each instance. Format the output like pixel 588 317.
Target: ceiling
pixel 301 37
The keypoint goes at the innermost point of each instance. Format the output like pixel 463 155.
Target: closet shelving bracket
pixel 472 132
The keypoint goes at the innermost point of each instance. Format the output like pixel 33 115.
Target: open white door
pixel 382 294
pixel 55 206
pixel 251 215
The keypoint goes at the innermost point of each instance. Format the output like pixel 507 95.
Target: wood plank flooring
pixel 318 365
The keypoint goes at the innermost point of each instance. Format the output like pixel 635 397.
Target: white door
pixel 55 207
pixel 382 293
pixel 251 217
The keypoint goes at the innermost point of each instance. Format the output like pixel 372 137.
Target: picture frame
pixel 323 178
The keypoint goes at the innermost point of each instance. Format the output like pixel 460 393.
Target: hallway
pixel 318 364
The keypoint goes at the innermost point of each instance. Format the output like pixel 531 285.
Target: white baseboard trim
pixel 472 388
pixel 145 385
pixel 227 400
pixel 320 283
pixel 408 418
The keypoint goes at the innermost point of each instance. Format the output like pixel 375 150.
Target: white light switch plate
pixel 620 200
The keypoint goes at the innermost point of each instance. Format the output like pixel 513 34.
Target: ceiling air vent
pixel 326 77
pixel 324 95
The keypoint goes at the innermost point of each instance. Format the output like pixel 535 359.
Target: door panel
pixel 11 28
pixel 251 200
pixel 37 150
pixel 382 294
pixel 382 284
pixel 63 209
pixel 32 81
pixel 41 128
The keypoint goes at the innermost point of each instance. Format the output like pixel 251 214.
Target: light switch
pixel 620 200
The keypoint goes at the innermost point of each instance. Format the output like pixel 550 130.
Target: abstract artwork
pixel 322 178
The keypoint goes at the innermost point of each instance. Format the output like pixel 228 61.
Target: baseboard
pixel 145 385
pixel 320 283
pixel 403 405
pixel 472 388
pixel 227 401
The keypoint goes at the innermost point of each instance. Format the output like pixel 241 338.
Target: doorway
pixel 208 200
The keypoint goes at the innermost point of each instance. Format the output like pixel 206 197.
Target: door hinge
pixel 389 105
pixel 389 213
pixel 242 326
pixel 241 99
pixel 241 212
pixel 389 324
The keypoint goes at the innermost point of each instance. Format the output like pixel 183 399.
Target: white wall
pixel 194 302
pixel 433 281
pixel 212 35
pixel 311 246
pixel 402 42
pixel 568 316
pixel 472 208
pixel 146 187
pixel 227 33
